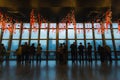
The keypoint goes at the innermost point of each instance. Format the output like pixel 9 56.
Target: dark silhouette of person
pixel 38 52
pixel 73 51
pixel 60 53
pixel 89 52
pixel 32 52
pixel 80 50
pixel 108 53
pixel 2 52
pixel 65 54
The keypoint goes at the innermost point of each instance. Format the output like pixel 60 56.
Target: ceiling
pixel 55 10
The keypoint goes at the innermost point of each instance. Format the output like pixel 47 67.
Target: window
pixel 62 41
pixel 116 34
pixel 62 34
pixel 80 34
pixel 6 34
pixel 34 34
pixel 23 42
pixel 52 45
pixel 25 34
pixel 108 34
pixel 110 44
pixel 80 41
pixel 71 34
pixel 43 34
pixel 52 25
pixel 89 34
pixel 52 33
pixel 44 25
pixel 16 35
pixel 43 44
pixel 98 42
pixel 14 45
pixel 26 25
pixel 97 34
pixel 5 42
pixel 117 44
pixel 114 25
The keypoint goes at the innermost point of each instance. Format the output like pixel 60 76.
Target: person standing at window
pixel 38 52
pixel 81 48
pixel 89 51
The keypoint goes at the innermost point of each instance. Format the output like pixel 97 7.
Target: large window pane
pixel 62 25
pixel 91 42
pixel 80 41
pixel 98 42
pixel 89 34
pixel 25 34
pixel 14 45
pixel 52 25
pixel 71 34
pixel 97 25
pixel 97 34
pixel 88 25
pixel 117 44
pixel 69 43
pixel 6 34
pixel 70 25
pixel 52 34
pixel 34 34
pixel 114 25
pixel 16 35
pixel 62 41
pixel 26 25
pixel 35 42
pixel 5 42
pixel 62 34
pixel 17 25
pixel 52 45
pixel 108 34
pixel 43 44
pixel 43 33
pixel 110 44
pixel 44 25
pixel 80 34
pixel 79 25
pixel 116 34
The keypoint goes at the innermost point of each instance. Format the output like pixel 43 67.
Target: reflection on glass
pixel 70 25
pixel 97 34
pixel 91 42
pixel 116 34
pixel 80 34
pixel 108 34
pixel 62 34
pixel 16 35
pixel 14 45
pixel 89 34
pixel 71 34
pixel 43 44
pixel 62 25
pixel 52 45
pixel 79 25
pixel 97 25
pixel 25 34
pixel 69 43
pixel 26 25
pixel 34 34
pixel 6 34
pixel 109 43
pixel 44 25
pixel 88 25
pixel 35 42
pixel 17 25
pixel 5 42
pixel 43 33
pixel 114 25
pixel 52 25
pixel 52 33
pixel 117 44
